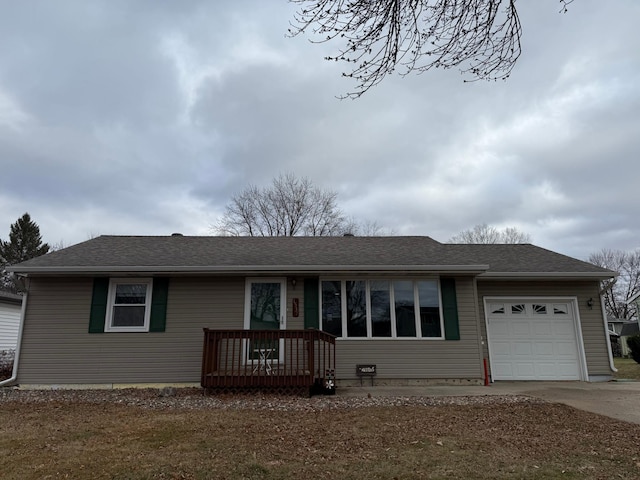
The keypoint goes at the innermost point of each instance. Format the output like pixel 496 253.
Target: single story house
pixel 10 306
pixel 130 310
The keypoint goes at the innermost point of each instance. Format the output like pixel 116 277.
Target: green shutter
pixel 98 305
pixel 450 309
pixel 159 304
pixel 311 305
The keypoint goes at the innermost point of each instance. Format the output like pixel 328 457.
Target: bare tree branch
pixel 618 290
pixel 481 37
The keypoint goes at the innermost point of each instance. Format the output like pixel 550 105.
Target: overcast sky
pixel 145 117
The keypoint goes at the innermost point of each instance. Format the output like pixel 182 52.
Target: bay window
pixel 395 308
pixel 332 308
pixel 380 302
pixel 356 309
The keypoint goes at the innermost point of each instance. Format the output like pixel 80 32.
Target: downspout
pixel 606 332
pixel 16 358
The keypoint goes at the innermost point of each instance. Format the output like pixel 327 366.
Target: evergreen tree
pixel 25 242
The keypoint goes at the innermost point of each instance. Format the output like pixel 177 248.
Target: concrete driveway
pixel 619 400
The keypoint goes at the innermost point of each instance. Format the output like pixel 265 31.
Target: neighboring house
pixel 123 310
pixel 615 324
pixel 10 307
pixel 615 327
pixel 616 347
pixel 628 330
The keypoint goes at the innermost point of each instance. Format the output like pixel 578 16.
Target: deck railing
pixel 300 360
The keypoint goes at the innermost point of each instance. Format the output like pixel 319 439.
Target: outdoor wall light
pixel 590 303
pixel 293 282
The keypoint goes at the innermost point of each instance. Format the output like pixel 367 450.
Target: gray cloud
pixel 145 118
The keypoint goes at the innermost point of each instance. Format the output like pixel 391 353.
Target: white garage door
pixel 532 340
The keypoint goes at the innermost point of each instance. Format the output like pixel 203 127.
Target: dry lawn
pixel 628 369
pixel 528 440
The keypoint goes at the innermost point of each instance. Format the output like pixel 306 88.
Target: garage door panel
pixel 501 348
pixel 568 370
pixel 533 343
pixel 564 328
pixel 566 349
pixel 543 328
pixel 546 370
pixel 519 328
pixel 502 326
pixel 525 370
pixel 504 369
pixel 544 349
pixel 519 348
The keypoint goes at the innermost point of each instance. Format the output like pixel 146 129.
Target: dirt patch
pixel 140 434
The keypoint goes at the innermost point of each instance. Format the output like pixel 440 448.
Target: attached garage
pixel 534 339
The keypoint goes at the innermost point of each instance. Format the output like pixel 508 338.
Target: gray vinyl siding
pixel 416 358
pixel 57 348
pixel 593 331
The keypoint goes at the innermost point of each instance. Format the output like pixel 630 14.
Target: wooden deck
pixel 298 361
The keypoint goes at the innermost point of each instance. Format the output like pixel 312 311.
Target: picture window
pixel 381 308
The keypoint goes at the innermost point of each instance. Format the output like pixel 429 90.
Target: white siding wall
pixel 9 324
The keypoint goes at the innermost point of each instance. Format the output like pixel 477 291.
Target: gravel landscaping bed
pixel 193 398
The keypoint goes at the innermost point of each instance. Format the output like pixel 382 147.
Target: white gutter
pixel 252 268
pixel 606 330
pixel 16 357
pixel 546 275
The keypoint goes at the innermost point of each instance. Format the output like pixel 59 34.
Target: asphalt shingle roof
pixel 185 253
pixel 630 328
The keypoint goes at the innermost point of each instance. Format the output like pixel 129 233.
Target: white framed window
pixel 129 305
pixel 497 308
pixel 539 309
pixel 560 309
pixel 518 309
pixel 381 308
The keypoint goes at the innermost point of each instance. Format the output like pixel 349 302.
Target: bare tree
pixel 618 290
pixel 487 234
pixel 513 235
pixel 482 37
pixel 367 228
pixel 289 206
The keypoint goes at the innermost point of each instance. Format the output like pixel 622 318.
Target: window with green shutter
pixel 129 305
pixel 99 305
pixel 450 309
pixel 311 303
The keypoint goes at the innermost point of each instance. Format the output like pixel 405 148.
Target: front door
pixel 265 309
